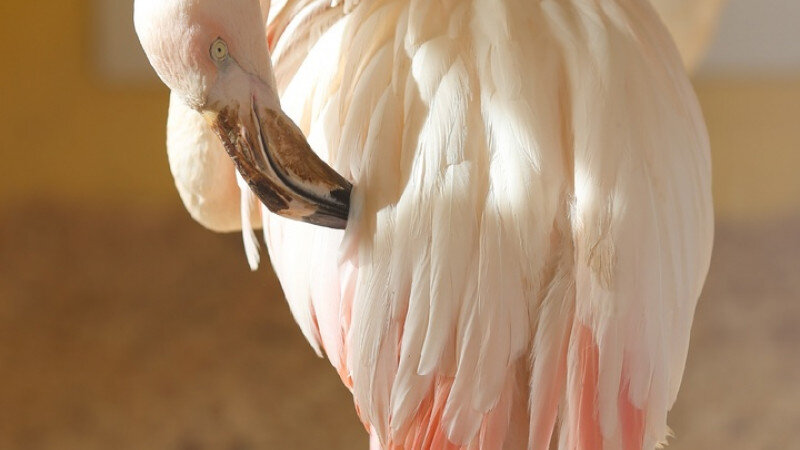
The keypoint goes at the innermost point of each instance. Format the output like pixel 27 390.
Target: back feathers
pixel 532 221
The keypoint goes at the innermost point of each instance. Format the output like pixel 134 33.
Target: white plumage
pixel 531 222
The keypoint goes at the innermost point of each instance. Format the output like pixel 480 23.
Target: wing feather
pixel 531 219
pixel 642 221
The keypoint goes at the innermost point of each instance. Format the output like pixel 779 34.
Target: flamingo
pixel 494 217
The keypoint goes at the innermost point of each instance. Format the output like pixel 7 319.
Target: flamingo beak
pixel 276 161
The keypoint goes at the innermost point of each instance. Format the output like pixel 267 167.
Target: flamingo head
pixel 214 56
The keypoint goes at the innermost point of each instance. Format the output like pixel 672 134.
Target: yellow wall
pixel 63 135
pixel 67 137
pixel 755 142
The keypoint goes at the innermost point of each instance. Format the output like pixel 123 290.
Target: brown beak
pixel 273 156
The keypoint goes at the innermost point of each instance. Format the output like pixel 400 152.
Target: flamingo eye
pixel 219 50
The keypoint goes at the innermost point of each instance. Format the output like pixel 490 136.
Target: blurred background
pixel 125 325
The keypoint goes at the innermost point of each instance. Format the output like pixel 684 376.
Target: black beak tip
pixel 343 195
pixel 333 215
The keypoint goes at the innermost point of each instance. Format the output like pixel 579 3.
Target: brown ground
pixel 140 330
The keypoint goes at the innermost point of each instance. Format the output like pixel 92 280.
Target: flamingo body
pixel 531 222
